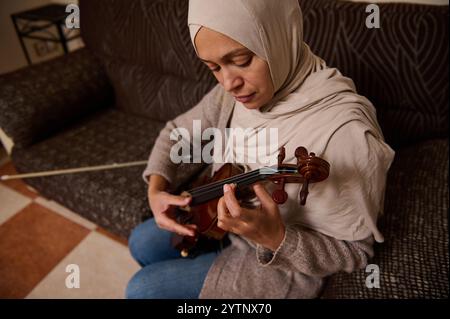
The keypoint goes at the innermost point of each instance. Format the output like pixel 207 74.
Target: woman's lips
pixel 245 98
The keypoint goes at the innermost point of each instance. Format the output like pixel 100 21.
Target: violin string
pixel 227 180
pixel 217 190
pixel 219 184
pixel 232 179
pixel 237 178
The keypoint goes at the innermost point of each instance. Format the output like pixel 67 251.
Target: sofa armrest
pixel 40 100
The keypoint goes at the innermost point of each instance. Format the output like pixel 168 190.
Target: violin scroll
pixel 312 168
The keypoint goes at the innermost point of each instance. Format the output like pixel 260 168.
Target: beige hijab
pixel 313 106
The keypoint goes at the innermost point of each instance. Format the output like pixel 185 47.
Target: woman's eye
pixel 213 68
pixel 242 65
pixel 246 63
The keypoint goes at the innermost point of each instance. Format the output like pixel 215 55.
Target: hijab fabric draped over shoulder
pixel 314 106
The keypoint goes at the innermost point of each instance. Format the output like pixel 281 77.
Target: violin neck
pixel 214 190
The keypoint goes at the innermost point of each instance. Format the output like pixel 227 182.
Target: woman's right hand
pixel 163 206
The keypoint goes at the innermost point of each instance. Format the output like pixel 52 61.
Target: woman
pixel 268 78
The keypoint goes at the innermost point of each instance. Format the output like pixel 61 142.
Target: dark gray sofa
pixel 107 102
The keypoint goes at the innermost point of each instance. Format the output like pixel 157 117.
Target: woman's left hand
pixel 261 225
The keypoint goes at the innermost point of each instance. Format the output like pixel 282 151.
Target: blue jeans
pixel 164 274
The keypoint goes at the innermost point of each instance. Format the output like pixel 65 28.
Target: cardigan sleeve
pixel 315 254
pixel 159 161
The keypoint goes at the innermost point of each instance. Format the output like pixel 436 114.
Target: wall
pixel 11 54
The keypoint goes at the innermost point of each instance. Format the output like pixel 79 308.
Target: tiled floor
pixel 39 239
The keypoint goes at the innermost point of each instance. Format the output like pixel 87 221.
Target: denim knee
pixel 134 242
pixel 144 285
pixel 149 244
pixel 132 291
pixel 180 278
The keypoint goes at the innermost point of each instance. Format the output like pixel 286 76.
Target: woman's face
pixel 241 72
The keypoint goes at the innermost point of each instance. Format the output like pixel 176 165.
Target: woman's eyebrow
pixel 233 53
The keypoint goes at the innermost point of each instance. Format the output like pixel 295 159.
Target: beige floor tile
pixel 11 202
pixel 105 267
pixel 58 208
pixel 32 243
pixel 122 240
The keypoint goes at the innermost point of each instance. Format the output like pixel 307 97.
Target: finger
pixel 178 200
pixel 222 210
pixel 264 197
pixel 182 230
pixel 230 200
pixel 191 226
pixel 224 219
pixel 173 226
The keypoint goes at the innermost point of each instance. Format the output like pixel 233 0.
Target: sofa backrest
pixel 146 50
pixel 402 67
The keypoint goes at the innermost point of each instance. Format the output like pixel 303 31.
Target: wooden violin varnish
pixel 202 210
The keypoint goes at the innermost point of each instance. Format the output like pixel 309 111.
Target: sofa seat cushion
pixel 413 260
pixel 114 199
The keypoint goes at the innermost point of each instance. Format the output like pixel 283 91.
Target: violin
pixel 202 209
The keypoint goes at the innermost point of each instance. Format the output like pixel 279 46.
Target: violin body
pixel 204 216
pixel 202 210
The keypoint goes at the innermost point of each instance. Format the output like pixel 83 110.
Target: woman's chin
pixel 252 105
pixel 256 104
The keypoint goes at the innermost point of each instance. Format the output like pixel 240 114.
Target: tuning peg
pixel 300 152
pixel 280 196
pixel 281 155
pixel 304 192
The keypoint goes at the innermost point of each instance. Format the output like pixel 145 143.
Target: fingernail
pixel 226 188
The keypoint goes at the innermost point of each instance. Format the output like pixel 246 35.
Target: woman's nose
pixel 231 80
